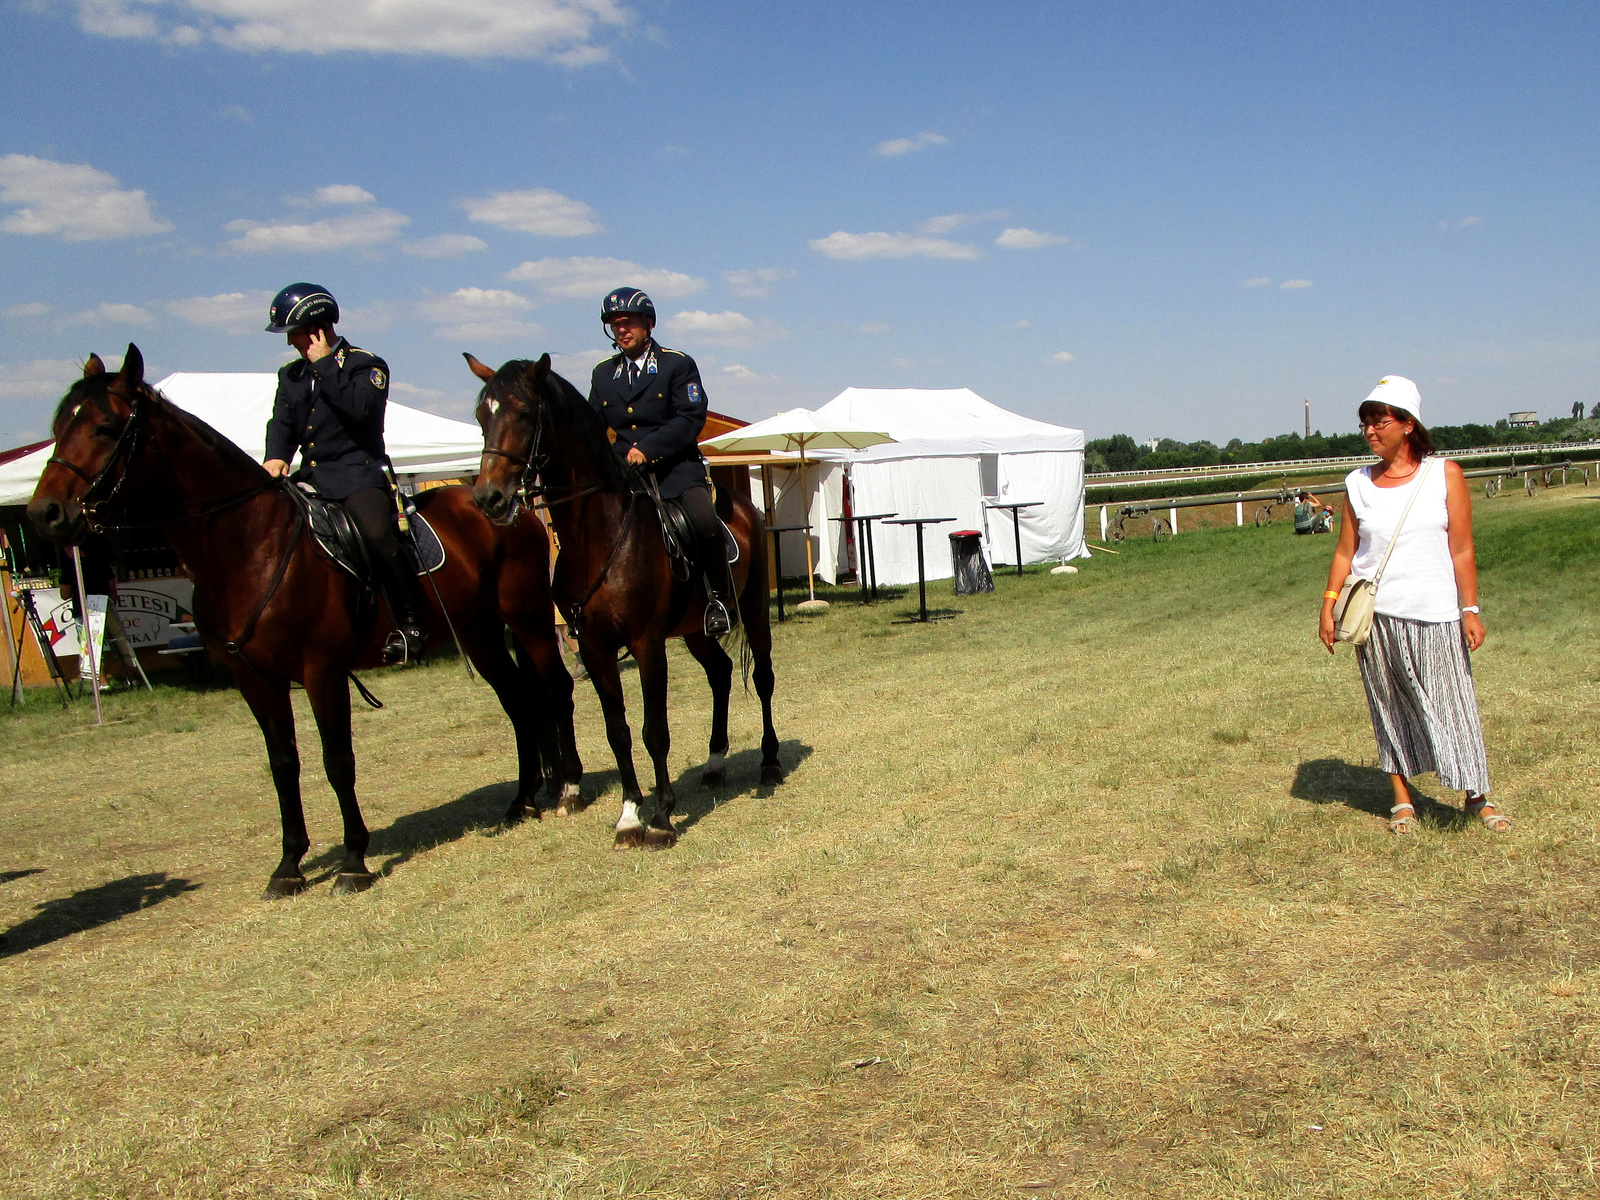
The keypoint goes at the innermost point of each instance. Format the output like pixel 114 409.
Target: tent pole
pixel 83 630
pixel 811 579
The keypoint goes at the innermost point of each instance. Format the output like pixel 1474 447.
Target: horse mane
pixel 95 387
pixel 573 408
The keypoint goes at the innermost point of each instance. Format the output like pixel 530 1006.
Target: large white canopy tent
pixel 954 450
pixel 421 445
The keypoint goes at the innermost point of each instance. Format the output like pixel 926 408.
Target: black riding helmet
pixel 627 300
pixel 302 304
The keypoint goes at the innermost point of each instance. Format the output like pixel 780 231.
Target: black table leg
pixel 861 562
pixel 1016 528
pixel 922 583
pixel 872 560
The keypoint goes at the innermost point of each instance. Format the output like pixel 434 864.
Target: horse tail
pixel 737 647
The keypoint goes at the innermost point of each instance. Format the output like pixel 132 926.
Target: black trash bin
pixel 967 565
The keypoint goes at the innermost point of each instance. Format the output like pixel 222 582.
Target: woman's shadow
pixel 1365 789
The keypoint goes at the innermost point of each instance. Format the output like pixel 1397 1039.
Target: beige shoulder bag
pixel 1352 611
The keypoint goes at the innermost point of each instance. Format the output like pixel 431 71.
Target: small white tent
pixel 953 451
pixel 421 445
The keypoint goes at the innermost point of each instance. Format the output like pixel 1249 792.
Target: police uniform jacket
pixel 332 411
pixel 662 414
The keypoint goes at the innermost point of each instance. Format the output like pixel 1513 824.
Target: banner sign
pixel 146 609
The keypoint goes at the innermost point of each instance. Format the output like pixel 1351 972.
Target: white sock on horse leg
pixel 630 816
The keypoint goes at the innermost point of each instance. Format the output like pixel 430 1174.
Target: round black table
pixel 922 575
pixel 1016 522
pixel 867 559
pixel 777 558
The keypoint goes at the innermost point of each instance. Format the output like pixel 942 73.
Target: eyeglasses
pixel 1376 426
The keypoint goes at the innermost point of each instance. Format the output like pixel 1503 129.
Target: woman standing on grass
pixel 1414 664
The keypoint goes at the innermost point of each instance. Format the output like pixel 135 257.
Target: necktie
pixel 633 372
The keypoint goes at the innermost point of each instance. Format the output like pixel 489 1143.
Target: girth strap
pixel 236 646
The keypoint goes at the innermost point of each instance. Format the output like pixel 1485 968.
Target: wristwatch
pixel 1471 608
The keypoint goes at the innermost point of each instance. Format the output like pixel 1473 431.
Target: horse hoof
pixel 348 884
pixel 629 839
pixel 712 779
pixel 660 839
pixel 280 886
pixel 771 773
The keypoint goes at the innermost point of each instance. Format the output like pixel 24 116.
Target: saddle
pixel 679 534
pixel 336 533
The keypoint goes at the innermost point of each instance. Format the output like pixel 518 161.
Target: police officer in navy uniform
pixel 330 406
pixel 654 400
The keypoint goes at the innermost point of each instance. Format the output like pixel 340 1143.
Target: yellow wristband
pixel 1330 595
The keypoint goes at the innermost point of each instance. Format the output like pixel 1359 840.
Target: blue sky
pixel 1162 219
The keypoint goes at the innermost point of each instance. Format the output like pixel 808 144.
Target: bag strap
pixel 1404 513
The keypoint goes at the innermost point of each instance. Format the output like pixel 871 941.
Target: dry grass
pixel 1082 892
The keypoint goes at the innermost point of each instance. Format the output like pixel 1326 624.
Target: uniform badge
pixel 379 379
pixel 695 395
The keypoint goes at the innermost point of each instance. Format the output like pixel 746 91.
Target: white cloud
pixel 359 230
pixel 112 314
pixel 755 283
pixel 231 312
pixel 40 378
pixel 722 329
pixel 1290 285
pixel 1463 223
pixel 23 311
pixel 74 201
pixel 236 112
pixel 416 396
pixel 475 314
pixel 538 210
pixel 740 373
pixel 589 278
pixel 951 222
pixel 1029 239
pixel 446 245
pixel 1024 323
pixel 560 31
pixel 898 146
pixel 875 327
pixel 1063 356
pixel 341 193
pixel 891 245
pixel 1258 282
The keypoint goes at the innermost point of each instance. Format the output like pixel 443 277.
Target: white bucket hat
pixel 1398 392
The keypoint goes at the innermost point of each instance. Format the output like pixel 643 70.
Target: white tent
pixel 953 451
pixel 421 445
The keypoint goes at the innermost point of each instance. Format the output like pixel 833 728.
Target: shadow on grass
pixel 1365 789
pixel 8 876
pixel 90 909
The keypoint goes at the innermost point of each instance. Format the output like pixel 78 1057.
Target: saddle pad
pixel 675 525
pixel 339 538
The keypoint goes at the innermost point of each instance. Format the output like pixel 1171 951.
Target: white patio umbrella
pixel 797 431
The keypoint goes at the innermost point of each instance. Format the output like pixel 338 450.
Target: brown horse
pixel 276 608
pixel 613 577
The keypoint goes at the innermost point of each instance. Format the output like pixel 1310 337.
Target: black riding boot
pixel 720 603
pixel 409 608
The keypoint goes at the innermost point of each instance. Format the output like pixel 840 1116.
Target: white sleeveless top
pixel 1419 583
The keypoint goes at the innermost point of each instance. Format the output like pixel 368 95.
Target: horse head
pixel 510 410
pixel 96 431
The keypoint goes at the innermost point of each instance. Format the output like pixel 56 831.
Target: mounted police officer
pixel 654 400
pixel 330 406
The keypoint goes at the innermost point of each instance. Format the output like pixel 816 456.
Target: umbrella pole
pixel 811 578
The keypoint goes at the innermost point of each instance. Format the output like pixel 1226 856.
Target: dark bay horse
pixel 613 578
pixel 269 602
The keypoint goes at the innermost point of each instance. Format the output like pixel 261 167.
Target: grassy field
pixel 1084 892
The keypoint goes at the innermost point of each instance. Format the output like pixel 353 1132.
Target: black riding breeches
pixel 702 514
pixel 373 512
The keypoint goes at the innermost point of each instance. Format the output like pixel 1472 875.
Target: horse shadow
pixel 1365 789
pixel 90 908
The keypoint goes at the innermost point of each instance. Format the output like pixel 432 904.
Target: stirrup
pixel 716 622
pixel 402 646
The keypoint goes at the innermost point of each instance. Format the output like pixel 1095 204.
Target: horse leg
pixel 483 639
pixel 652 658
pixel 758 636
pixel 719 674
pixel 329 694
pixel 269 703
pixel 602 668
pixel 540 657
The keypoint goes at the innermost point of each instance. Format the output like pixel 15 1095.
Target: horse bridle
pixel 533 464
pixel 127 445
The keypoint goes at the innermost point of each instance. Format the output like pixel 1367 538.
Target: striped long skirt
pixel 1424 707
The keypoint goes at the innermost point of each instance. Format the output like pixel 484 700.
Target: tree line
pixel 1121 453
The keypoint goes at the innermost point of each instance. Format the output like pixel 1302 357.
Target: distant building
pixel 1151 444
pixel 1524 420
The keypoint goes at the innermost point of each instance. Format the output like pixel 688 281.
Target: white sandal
pixel 1402 824
pixel 1495 822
